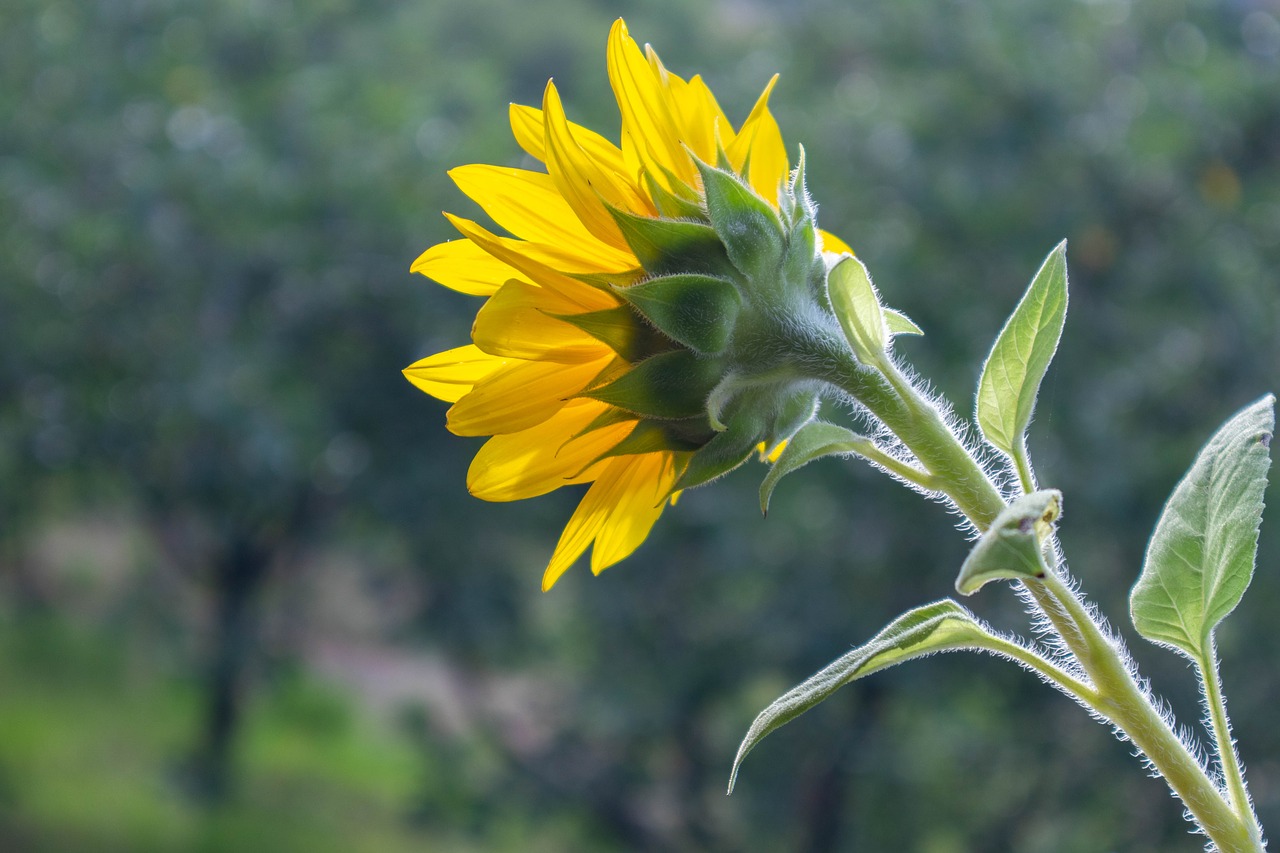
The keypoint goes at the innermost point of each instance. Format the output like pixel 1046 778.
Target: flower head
pixel 625 338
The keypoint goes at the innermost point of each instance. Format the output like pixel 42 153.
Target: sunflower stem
pixel 1116 695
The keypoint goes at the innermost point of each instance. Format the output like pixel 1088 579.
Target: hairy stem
pixel 1022 461
pixel 1231 771
pixel 1115 695
pixel 1128 707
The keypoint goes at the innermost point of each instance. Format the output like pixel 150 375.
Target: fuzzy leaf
pixel 698 311
pixel 813 441
pixel 1013 371
pixel 1201 557
pixel 857 306
pixel 1011 547
pixel 938 627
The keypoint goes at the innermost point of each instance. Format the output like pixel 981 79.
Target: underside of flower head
pixel 623 337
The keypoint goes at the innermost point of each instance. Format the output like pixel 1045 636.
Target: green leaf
pixel 1012 374
pixel 938 627
pixel 857 306
pixel 1201 556
pixel 900 324
pixel 1012 547
pixel 813 441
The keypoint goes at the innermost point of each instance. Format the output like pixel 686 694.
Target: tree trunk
pixel 238 576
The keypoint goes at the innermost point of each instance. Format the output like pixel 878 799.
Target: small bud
pixel 1013 547
pixel 857 307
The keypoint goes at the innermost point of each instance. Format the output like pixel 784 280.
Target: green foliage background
pixel 209 211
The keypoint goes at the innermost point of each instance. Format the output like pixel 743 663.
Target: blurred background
pixel 245 601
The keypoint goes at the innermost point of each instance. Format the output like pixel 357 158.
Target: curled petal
pixel 585 185
pixel 539 460
pixel 528 125
pixel 647 122
pixel 760 141
pixel 529 206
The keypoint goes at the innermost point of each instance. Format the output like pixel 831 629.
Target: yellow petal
pixel 582 528
pixel 529 260
pixel 463 266
pixel 529 206
pixel 451 374
pixel 704 125
pixel 543 458
pixel 519 322
pixel 637 501
pixel 528 127
pixel 582 182
pixel 647 122
pixel 760 139
pixel 520 395
pixel 832 243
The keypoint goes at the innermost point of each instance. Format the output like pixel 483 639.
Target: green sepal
pixel 814 440
pixel 724 452
pixel 1013 547
pixel 672 246
pixel 669 386
pixel 609 280
pixel 857 307
pixel 939 627
pixel 803 270
pixel 1201 556
pixel 726 390
pixel 748 227
pixel 1014 369
pixel 900 324
pixel 793 406
pixel 620 330
pixel 795 199
pixel 673 205
pixel 653 436
pixel 698 311
pixel 648 437
pixel 722 160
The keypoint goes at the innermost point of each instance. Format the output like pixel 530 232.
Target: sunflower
pixel 603 352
